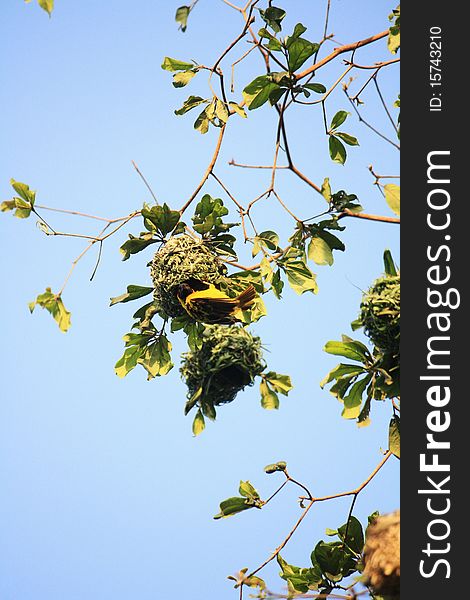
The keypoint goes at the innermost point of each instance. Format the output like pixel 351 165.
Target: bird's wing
pixel 219 309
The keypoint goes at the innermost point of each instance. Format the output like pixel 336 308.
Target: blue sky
pixel 106 494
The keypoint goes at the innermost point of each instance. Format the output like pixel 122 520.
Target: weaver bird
pixel 206 304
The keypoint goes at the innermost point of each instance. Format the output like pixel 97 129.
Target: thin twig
pixel 145 181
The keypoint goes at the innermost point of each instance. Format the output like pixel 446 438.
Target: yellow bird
pixel 206 304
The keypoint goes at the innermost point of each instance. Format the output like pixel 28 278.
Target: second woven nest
pixel 228 360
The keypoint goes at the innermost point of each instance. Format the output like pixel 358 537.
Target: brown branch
pixel 208 171
pixel 354 492
pixel 378 65
pixel 341 50
pixel 347 213
pixel 232 163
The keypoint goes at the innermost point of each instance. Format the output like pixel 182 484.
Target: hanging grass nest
pixel 380 314
pixel 382 556
pixel 229 359
pixel 180 259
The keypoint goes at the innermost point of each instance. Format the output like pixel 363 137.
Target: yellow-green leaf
pixel 198 424
pixel 392 196
pixel 47 5
pixel 269 398
pixel 320 252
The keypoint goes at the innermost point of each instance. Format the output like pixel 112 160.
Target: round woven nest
pixel 380 314
pixel 180 259
pixel 229 359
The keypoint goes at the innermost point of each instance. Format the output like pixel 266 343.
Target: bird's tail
pixel 246 298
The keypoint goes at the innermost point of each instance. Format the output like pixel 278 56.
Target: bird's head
pixel 183 291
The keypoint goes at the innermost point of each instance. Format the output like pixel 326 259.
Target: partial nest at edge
pixel 382 556
pixel 380 314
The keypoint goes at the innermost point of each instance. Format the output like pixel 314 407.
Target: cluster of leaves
pixel 23 203
pixel 216 112
pixel 294 50
pixel 374 375
pixel 150 347
pixel 159 222
pixel 54 305
pixel 332 562
pixel 208 222
pixel 47 5
pixel 337 149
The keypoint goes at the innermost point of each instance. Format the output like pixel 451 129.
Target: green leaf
pixel 201 124
pixel 329 557
pixel 299 50
pixel 273 17
pixel 198 426
pixel 275 467
pixel 280 383
pixel 300 278
pixel 189 104
pixel 392 197
pixel 269 239
pixel 238 109
pixel 162 218
pixel 340 371
pixel 248 491
pixel 7 205
pixel 355 535
pixel 173 64
pixel 258 91
pixel 232 506
pixel 394 436
pixel 54 305
pixel 47 5
pixel 255 581
pixel 22 189
pixel 274 44
pixel 127 361
pixel 221 111
pixel 389 264
pixel 136 244
pixel 353 401
pixel 354 350
pixel 318 88
pixel 183 78
pixel 133 292
pixel 337 150
pixel 348 139
pixel 320 252
pixel 326 189
pixel 339 118
pixel 156 359
pixel 181 16
pixel 269 398
pixel 208 410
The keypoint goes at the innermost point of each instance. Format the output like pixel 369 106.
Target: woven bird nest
pixel 382 556
pixel 229 359
pixel 180 259
pixel 380 314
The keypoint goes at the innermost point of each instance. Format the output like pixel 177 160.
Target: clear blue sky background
pixel 105 493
